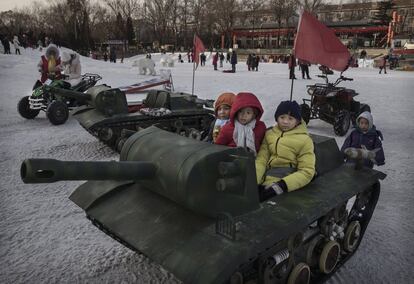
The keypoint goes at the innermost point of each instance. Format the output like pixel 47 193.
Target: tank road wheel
pixel 305 112
pixel 342 123
pixel 300 274
pixel 313 251
pixel 352 235
pixel 194 134
pixel 329 257
pixel 57 112
pixel 120 143
pixel 107 135
pixel 23 107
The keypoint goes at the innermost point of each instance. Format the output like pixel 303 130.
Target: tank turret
pixel 193 207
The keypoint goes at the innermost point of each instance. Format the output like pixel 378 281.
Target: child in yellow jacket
pixel 286 160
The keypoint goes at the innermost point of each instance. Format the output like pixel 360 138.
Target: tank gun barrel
pixel 50 170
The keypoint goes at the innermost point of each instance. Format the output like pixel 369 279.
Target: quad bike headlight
pixel 331 94
pixel 311 91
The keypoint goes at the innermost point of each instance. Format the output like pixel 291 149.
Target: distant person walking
pixel 16 44
pixel 233 61
pixel 304 67
pixel 215 60
pixel 221 59
pixel 112 55
pixel 383 64
pixel 6 45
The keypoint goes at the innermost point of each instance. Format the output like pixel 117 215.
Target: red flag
pixel 317 43
pixel 198 48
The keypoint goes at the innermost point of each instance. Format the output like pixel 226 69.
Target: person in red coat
pixel 245 128
pixel 215 60
pixel 50 65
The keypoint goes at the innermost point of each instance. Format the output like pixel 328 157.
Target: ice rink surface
pixel 45 238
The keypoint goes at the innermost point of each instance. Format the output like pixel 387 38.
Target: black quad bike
pixel 332 104
pixel 56 98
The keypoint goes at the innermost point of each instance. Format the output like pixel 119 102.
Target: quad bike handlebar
pixel 340 79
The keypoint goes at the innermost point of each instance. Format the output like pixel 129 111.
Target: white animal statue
pixel 145 65
pixel 163 61
pixel 167 61
pixel 170 62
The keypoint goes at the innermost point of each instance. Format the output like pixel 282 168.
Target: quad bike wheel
pixel 342 122
pixel 23 107
pixel 305 112
pixel 363 108
pixel 57 112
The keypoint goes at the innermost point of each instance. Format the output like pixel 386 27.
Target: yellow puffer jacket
pixel 294 149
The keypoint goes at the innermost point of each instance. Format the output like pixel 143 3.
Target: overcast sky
pixel 11 4
pixel 6 5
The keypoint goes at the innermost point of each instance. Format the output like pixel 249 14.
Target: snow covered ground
pixel 44 237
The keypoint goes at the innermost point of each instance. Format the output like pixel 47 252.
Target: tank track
pixel 291 252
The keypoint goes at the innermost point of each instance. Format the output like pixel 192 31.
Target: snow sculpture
pixel 145 65
pixel 167 61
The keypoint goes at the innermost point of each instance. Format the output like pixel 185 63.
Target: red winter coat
pixel 45 68
pixel 243 100
pixel 215 59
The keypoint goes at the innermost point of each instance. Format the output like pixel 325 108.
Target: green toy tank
pixel 109 118
pixel 193 207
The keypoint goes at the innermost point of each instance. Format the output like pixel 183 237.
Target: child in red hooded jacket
pixel 245 128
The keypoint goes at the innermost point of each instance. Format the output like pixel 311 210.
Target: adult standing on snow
pixel 233 61
pixel 6 45
pixel 71 67
pixel 256 63
pixel 304 67
pixel 221 59
pixel 215 60
pixel 112 55
pixel 49 64
pixel 16 44
pixel 383 64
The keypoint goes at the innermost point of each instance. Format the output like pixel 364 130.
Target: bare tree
pixel 283 11
pixel 252 7
pixel 311 5
pixel 158 14
pixel 225 11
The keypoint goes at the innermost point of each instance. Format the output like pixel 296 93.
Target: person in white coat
pixel 71 67
pixel 16 44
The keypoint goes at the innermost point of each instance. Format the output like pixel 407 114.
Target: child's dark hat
pixel 291 108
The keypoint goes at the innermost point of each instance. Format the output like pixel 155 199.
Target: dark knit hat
pixel 288 107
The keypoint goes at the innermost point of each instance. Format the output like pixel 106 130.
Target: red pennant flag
pixel 198 48
pixel 317 43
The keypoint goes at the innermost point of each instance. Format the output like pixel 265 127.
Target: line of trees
pixel 81 24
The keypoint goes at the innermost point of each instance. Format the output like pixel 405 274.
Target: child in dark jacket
pixel 222 107
pixel 366 136
pixel 245 128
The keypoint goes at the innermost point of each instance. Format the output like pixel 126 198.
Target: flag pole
pixel 294 63
pixel 192 89
pixel 293 79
